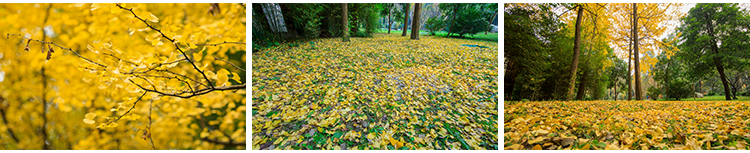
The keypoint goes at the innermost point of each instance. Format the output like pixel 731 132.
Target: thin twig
pixel 216 44
pixel 193 93
pixel 61 47
pixel 131 108
pixel 151 105
pixel 171 40
pixel 243 70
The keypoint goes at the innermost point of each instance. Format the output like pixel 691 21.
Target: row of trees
pixel 291 21
pixel 714 45
pixel 592 43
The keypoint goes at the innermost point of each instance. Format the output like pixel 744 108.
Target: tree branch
pixel 230 63
pixel 61 47
pixel 192 93
pixel 131 108
pixel 224 142
pixel 171 40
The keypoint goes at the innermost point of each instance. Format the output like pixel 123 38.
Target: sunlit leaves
pixel 626 125
pixel 89 118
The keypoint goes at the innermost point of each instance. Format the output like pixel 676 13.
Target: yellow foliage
pixel 99 50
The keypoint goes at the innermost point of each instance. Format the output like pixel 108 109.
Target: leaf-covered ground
pixel 385 92
pixel 631 125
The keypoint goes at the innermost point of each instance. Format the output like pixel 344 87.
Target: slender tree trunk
pixel 492 19
pixel 630 53
pixel 453 21
pixel 717 59
pixel 638 92
pixel 616 81
pixel 576 52
pixel 389 19
pixel 415 22
pixel 345 22
pixel 406 18
pixel 666 80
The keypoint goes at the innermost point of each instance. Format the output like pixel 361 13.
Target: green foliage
pixel 653 92
pixel 680 88
pixel 727 26
pixel 532 63
pixel 466 18
pixel 304 17
pixel 434 24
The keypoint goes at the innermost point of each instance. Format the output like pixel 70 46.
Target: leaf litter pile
pixel 627 125
pixel 384 92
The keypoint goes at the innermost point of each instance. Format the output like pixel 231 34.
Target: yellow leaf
pixel 236 77
pixel 197 56
pixel 88 121
pixel 537 147
pixel 222 77
pixel 513 147
pixel 586 147
pixel 152 18
pixel 90 115
pixel 538 139
pixel 371 135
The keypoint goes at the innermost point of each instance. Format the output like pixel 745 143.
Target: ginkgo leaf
pixel 236 77
pixel 197 56
pixel 153 18
pixel 537 147
pixel 88 121
pixel 90 115
pixel 222 77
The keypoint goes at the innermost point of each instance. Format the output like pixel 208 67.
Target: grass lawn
pixel 715 98
pixel 383 92
pixel 479 36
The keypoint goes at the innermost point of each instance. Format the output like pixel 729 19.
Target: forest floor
pixel 383 92
pixel 627 125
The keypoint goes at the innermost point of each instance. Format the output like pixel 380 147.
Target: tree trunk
pixel 717 59
pixel 616 81
pixel 390 22
pixel 415 21
pixel 345 22
pixel 638 93
pixel 492 18
pixel 666 81
pixel 453 21
pixel 630 54
pixel 576 52
pixel 406 18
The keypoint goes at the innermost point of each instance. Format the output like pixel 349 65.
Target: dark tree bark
pixel 717 59
pixel 406 18
pixel 345 22
pixel 576 52
pixel 415 21
pixel 638 93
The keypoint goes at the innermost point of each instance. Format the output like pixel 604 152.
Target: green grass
pixel 479 36
pixel 712 98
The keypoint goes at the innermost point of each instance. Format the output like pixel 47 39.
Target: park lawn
pixel 383 92
pixel 631 125
pixel 493 37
